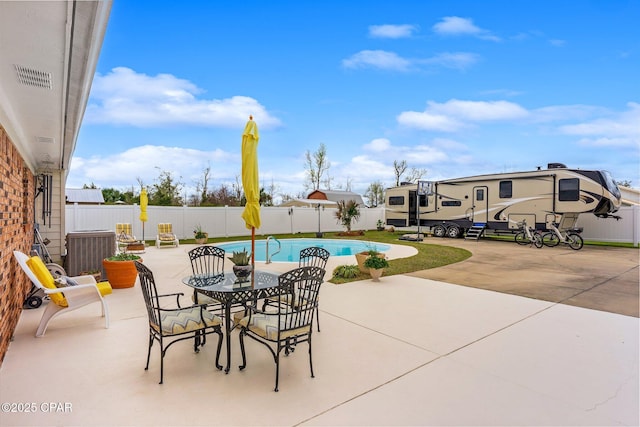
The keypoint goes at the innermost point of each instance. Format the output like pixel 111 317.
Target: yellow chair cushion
pixel 165 228
pixel 104 288
pixel 46 279
pixel 123 228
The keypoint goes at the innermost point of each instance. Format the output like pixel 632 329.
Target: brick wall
pixel 16 219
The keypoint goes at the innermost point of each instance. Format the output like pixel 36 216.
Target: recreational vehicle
pixel 499 202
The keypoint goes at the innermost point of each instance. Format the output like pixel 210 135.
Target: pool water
pixel 290 248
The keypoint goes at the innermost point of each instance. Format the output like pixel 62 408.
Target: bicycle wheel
pixel 537 240
pixel 550 239
pixel 521 238
pixel 575 241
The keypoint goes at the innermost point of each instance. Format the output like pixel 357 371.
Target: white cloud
pixel 377 59
pixel 457 60
pixel 428 121
pixel 479 110
pixel 556 113
pixel 605 142
pixel 455 114
pixel 557 42
pixel 378 144
pixel 361 171
pixel 449 144
pixel 392 61
pixel 502 92
pixel 622 129
pixel 392 31
pixel 422 155
pixel 148 160
pixel 457 26
pixel 129 98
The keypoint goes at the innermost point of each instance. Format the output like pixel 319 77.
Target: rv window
pixel 451 203
pixel 396 200
pixel 479 194
pixel 423 200
pixel 569 190
pixel 505 189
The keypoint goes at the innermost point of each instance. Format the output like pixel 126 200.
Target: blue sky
pixel 453 87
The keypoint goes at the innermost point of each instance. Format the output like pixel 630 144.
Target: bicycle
pixel 569 237
pixel 528 235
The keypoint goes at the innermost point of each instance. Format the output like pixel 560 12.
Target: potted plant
pixel 380 225
pixel 200 236
pixel 242 267
pixel 120 270
pixel 376 266
pixel 362 256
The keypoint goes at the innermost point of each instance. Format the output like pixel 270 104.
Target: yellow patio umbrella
pixel 251 213
pixel 144 201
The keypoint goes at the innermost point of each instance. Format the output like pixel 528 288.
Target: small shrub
pixel 376 262
pixel 346 271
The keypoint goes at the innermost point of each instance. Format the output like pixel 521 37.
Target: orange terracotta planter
pixel 120 274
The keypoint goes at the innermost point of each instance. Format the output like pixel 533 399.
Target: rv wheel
pixel 439 231
pixel 453 232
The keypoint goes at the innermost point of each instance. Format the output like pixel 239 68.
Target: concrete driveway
pixel 595 277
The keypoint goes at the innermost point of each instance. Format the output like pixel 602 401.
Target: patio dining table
pixel 231 290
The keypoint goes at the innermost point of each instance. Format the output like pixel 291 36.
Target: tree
pixel 347 212
pixel 202 186
pixel 238 191
pixel 414 175
pixel 375 193
pixel 625 183
pixel 399 167
pixel 166 191
pixel 111 195
pixel 223 196
pixel 317 165
pixel 271 194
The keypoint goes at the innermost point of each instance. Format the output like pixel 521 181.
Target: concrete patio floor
pixel 403 351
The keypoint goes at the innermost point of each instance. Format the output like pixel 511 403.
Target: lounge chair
pixel 80 290
pixel 166 236
pixel 124 236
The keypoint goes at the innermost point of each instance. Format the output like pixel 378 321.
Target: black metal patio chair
pixel 207 260
pixel 289 325
pixel 170 325
pixel 309 257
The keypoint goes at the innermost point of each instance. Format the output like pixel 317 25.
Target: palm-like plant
pixel 347 212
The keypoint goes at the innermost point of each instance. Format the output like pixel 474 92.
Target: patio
pixel 404 351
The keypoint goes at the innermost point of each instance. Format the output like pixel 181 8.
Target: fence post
pixel 636 225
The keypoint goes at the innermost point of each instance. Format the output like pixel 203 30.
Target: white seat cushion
pixel 266 326
pixel 186 320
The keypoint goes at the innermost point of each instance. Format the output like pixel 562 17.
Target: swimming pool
pixel 291 248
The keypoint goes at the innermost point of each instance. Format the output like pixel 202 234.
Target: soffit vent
pixel 45 139
pixel 31 77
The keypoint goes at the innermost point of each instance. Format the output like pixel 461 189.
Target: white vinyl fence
pixel 227 221
pixel 217 221
pixel 626 229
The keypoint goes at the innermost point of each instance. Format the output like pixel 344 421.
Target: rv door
pixel 480 204
pixel 413 208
